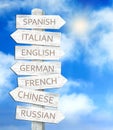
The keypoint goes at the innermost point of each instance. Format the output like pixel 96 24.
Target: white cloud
pixel 5 73
pixel 109 100
pixel 97 127
pixel 68 44
pixel 4 5
pixel 15 127
pixel 72 104
pixel 103 17
pixel 87 125
pixel 76 105
pixel 96 44
pixel 46 4
pixel 96 120
pixel 100 43
pixel 71 86
pixel 59 6
pixel 7 5
pixel 103 116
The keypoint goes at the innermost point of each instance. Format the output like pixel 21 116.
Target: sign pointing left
pixel 35 97
pixel 37 37
pixel 36 68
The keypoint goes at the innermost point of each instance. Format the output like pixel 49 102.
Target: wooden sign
pixel 37 37
pixel 36 68
pixel 35 97
pixel 42 81
pixel 38 53
pixel 39 21
pixel 38 114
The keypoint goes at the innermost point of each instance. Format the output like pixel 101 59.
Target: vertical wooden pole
pixel 37 125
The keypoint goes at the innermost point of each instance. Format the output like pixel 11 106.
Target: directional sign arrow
pixel 42 81
pixel 35 97
pixel 39 22
pixel 38 114
pixel 38 52
pixel 37 37
pixel 36 68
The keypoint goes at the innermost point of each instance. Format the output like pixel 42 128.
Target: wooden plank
pixel 35 97
pixel 36 68
pixel 36 37
pixel 42 81
pixel 39 21
pixel 38 53
pixel 38 114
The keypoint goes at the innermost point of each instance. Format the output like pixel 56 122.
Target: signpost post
pixel 37 125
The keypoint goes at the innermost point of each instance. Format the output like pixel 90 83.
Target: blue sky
pixel 87 98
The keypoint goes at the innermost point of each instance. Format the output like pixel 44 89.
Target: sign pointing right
pixel 38 114
pixel 39 22
pixel 42 81
pixel 38 53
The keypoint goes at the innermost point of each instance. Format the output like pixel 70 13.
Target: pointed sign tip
pixel 13 69
pixel 61 117
pixel 62 53
pixel 63 22
pixel 12 94
pixel 65 80
pixel 13 35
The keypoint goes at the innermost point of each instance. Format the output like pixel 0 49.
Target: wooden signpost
pixel 42 81
pixel 35 97
pixel 39 74
pixel 38 52
pixel 38 114
pixel 36 37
